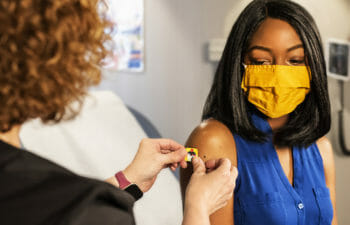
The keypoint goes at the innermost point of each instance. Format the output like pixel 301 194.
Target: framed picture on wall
pixel 127 45
pixel 338 59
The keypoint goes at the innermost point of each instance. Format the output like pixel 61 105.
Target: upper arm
pixel 213 140
pixel 104 214
pixel 326 151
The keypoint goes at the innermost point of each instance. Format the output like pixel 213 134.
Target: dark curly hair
pixel 50 54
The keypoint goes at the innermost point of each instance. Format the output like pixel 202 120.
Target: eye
pixel 296 62
pixel 260 62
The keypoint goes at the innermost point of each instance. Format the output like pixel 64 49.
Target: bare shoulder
pixel 326 150
pixel 324 144
pixel 213 140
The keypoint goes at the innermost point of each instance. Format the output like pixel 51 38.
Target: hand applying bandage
pixel 209 189
pixel 152 156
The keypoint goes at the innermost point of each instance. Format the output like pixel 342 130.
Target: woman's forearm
pixel 113 181
pixel 195 216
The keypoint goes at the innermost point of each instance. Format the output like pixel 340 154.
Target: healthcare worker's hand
pixel 154 155
pixel 209 189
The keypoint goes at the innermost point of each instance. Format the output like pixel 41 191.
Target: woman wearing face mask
pixel 268 111
pixel 50 54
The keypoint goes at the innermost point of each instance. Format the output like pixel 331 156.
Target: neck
pixel 12 136
pixel 276 123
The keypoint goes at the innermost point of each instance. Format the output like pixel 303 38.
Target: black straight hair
pixel 227 102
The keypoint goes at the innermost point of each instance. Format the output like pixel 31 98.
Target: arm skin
pixel 326 152
pixel 199 218
pixel 213 140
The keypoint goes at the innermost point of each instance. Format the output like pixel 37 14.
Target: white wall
pixel 174 86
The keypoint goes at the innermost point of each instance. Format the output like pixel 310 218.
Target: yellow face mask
pixel 276 90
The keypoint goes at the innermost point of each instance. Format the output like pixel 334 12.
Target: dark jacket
pixel 36 191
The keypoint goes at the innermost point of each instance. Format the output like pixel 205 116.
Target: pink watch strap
pixel 123 182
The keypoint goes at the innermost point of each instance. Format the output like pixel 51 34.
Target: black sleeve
pixel 102 204
pixel 34 191
pixel 103 214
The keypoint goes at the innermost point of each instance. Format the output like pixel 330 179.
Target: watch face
pixel 135 191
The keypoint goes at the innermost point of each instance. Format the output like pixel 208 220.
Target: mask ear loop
pixel 245 67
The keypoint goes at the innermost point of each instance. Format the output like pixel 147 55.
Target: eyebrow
pixel 269 50
pixel 295 47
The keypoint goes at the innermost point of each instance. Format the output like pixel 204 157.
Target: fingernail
pixel 194 159
pixel 235 170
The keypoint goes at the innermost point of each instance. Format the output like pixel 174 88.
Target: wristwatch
pixel 127 186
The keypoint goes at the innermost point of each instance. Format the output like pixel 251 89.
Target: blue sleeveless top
pixel 264 195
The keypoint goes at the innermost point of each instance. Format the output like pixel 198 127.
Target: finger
pixel 229 191
pixel 212 164
pixel 234 171
pixel 172 168
pixel 175 165
pixel 233 175
pixel 183 164
pixel 198 165
pixel 224 163
pixel 209 170
pixel 174 157
pixel 224 166
pixel 168 144
pixel 230 195
pixel 165 151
